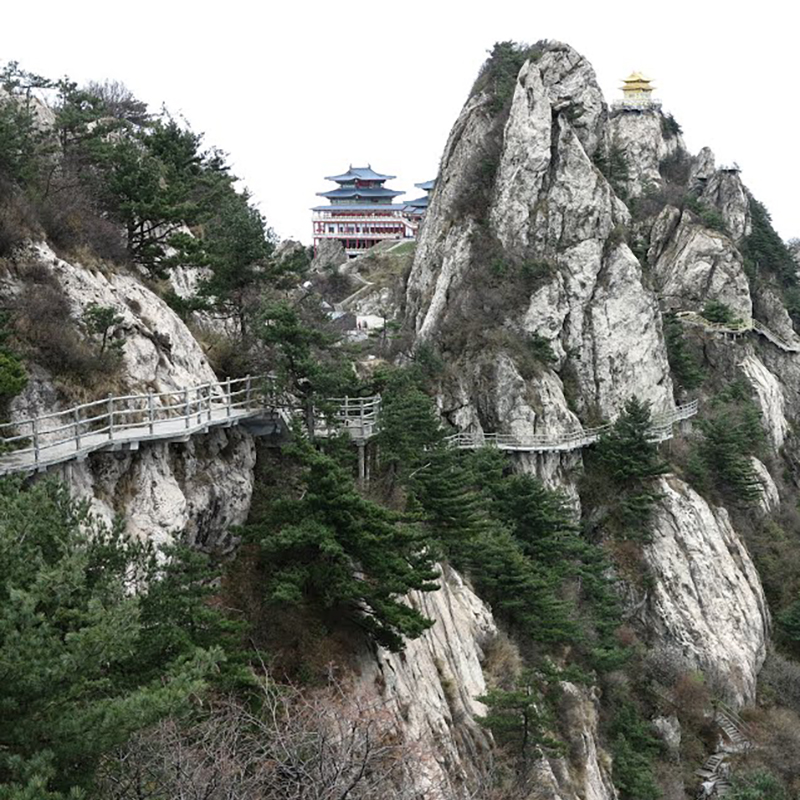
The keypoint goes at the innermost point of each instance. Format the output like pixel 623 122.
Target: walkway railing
pixel 737 328
pixel 660 430
pixel 123 421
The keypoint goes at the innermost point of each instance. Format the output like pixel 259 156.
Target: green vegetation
pixel 756 785
pixel 767 256
pixel 515 538
pixel 789 626
pixel 620 471
pixel 685 368
pixel 302 355
pixel 519 719
pixel 498 75
pixel 720 313
pixel 85 662
pixel 615 169
pixel 709 216
pixel 731 434
pixel 676 167
pixel 670 127
pixel 13 377
pixel 327 545
pixel 100 321
pixel 124 183
pixel 498 79
pixel 633 747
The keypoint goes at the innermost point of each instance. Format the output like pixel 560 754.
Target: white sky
pixel 294 91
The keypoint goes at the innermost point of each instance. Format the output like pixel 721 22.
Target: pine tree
pixel 237 246
pixel 628 461
pixel 333 549
pixel 85 660
pixel 307 365
pixel 519 719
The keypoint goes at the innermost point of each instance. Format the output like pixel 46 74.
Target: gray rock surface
pixel 330 255
pixel 201 487
pixel 706 601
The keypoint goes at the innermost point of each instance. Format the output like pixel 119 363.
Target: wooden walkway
pixel 124 422
pixel 737 329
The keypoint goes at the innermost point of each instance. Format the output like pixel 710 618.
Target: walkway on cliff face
pixel 124 422
pixel 661 430
pixel 737 329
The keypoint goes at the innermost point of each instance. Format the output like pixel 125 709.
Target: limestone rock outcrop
pixel 549 205
pixel 706 600
pixel 200 487
pixel 639 137
pixel 693 265
pixel 431 689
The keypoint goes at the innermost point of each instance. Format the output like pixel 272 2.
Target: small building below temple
pixel 362 211
pixel 415 209
pixel 637 93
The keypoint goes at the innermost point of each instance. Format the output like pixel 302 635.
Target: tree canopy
pixel 99 637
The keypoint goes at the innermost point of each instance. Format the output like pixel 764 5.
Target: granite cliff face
pixel 549 205
pixel 550 202
pixel 203 486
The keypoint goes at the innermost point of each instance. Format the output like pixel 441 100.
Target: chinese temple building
pixel 362 212
pixel 637 93
pixel 415 209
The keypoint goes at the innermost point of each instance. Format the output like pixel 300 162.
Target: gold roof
pixel 636 81
pixel 636 77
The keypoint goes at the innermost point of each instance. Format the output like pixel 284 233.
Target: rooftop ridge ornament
pixel 637 93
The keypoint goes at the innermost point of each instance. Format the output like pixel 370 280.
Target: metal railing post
pixel 110 416
pixel 186 413
pixel 199 405
pixel 150 412
pixel 208 401
pixel 248 392
pixel 76 420
pixel 230 399
pixel 35 428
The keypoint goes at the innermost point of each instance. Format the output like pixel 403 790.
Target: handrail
pixel 69 433
pixel 742 326
pixel 660 430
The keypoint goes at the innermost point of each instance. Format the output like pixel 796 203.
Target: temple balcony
pixel 631 104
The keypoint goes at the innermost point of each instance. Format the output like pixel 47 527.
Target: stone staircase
pixel 736 738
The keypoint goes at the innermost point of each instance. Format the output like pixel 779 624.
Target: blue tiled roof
pixel 426 185
pixel 360 174
pixel 355 192
pixel 420 202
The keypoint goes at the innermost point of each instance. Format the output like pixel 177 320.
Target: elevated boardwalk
pixel 737 329
pixel 661 430
pixel 124 422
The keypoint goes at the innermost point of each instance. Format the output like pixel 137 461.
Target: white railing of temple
pixel 661 429
pixel 737 328
pixel 126 420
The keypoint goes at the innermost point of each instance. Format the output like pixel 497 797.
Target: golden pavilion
pixel 637 92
